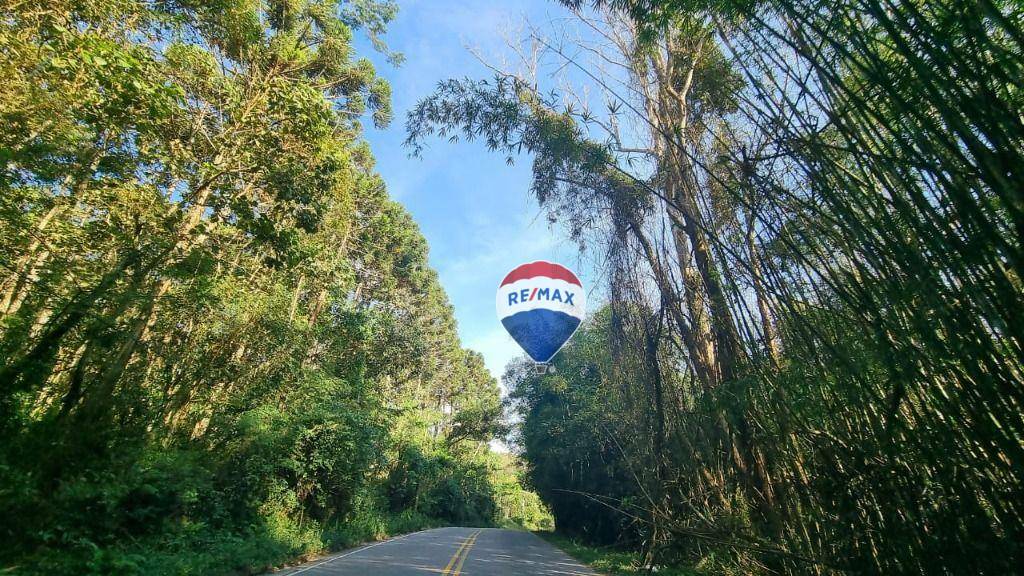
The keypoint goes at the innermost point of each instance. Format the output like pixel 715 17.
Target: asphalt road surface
pixel 450 552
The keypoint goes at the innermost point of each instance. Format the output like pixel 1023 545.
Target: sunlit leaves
pixel 198 260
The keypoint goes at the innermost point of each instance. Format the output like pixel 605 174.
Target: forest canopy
pixel 808 220
pixel 221 344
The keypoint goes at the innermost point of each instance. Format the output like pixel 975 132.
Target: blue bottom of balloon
pixel 541 332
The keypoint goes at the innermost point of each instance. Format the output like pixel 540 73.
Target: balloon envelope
pixel 541 304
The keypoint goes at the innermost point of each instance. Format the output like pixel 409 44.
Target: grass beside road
pixel 611 561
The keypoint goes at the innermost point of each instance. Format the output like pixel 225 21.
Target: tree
pixel 811 269
pixel 217 332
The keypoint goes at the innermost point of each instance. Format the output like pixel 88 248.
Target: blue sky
pixel 475 210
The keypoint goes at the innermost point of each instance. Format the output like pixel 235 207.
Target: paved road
pixel 450 552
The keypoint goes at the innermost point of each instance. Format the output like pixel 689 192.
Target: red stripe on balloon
pixel 541 268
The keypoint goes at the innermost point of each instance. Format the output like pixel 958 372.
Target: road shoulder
pixel 609 561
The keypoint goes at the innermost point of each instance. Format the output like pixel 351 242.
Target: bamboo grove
pixel 221 346
pixel 809 227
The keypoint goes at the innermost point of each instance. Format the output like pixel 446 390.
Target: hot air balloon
pixel 541 304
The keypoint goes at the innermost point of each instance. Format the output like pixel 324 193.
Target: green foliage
pixel 612 561
pixel 466 488
pixel 573 460
pixel 220 340
pixel 811 359
pixel 517 507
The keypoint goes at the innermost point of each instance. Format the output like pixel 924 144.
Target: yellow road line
pixel 451 562
pixel 465 555
pixel 466 545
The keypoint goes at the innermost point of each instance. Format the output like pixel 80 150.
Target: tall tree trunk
pixel 37 253
pixel 76 385
pixel 768 334
pixel 34 367
pixel 295 298
pixel 28 266
pixel 675 137
pixel 97 396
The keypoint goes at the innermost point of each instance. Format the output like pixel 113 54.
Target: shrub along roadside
pixel 610 560
pixel 476 487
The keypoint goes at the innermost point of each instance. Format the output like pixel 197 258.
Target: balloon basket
pixel 544 368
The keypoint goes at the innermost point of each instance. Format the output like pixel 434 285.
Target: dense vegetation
pixel 221 346
pixel 810 219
